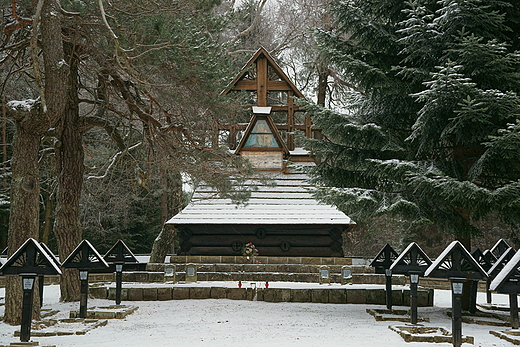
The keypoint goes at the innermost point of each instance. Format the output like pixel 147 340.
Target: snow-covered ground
pixel 225 322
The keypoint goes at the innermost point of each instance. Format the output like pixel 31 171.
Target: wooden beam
pixel 261 80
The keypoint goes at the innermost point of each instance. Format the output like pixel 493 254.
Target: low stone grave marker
pixel 427 334
pixel 393 315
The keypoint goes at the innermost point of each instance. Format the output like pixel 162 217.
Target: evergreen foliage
pixel 432 132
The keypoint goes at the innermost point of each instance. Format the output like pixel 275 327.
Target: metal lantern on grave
pixel 458 265
pixel 121 257
pixel 507 281
pixel 29 261
pixel 85 258
pixel 412 262
pixel 382 262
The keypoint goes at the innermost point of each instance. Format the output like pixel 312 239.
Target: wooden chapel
pixel 281 218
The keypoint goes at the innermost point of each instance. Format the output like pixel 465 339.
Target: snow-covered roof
pixel 444 263
pixel 286 200
pixel 510 269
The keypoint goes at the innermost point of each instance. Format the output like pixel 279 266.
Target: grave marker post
pixel 28 262
pixel 84 258
pixel 119 256
pixel 382 262
pixel 412 262
pixel 457 285
pixel 507 281
pixel 459 266
pixel 27 305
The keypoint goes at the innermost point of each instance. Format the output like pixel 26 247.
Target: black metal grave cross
pixel 412 262
pixel 29 261
pixel 119 255
pixel 458 265
pixel 382 262
pixel 507 281
pixel 84 258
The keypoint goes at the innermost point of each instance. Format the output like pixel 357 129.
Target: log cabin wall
pixel 270 240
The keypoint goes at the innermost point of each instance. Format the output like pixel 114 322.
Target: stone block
pixel 225 268
pixel 200 293
pixel 406 297
pixel 320 295
pixel 218 276
pixel 237 293
pixel 218 293
pixel 209 259
pixel 124 294
pixel 228 259
pixel 277 295
pixel 356 296
pixel 205 267
pixel 338 296
pixel 273 267
pixel 135 294
pixel 301 295
pixel 157 267
pixel 150 294
pixel 254 267
pixel 311 260
pixel 99 292
pixel 278 260
pixel 141 276
pixel 181 293
pixel 343 261
pixel 111 293
pixel 376 296
pixel 327 261
pixel 128 277
pixel 155 277
pixel 259 294
pixel 397 297
pixel 263 260
pixel 423 298
pixel 164 294
pixel 175 259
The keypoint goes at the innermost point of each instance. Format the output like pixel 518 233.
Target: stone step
pixel 286 268
pixel 183 259
pixel 324 294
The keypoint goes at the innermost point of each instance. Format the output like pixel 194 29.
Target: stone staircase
pixel 271 269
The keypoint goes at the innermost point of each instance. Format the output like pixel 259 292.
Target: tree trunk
pixel 30 126
pixel 164 242
pixel 23 219
pixel 70 170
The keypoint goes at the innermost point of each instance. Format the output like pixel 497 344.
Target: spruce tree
pixel 431 132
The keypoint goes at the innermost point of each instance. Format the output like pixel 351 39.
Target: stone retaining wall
pixel 400 297
pixel 183 259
